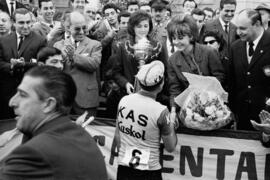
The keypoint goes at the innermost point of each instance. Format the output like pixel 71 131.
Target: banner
pixel 221 154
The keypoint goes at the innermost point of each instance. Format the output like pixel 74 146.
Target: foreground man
pixel 53 146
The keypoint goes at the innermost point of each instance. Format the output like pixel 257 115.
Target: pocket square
pixel 85 54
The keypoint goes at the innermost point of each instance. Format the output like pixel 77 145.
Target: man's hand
pixel 173 118
pixel 14 61
pixel 68 51
pixel 111 33
pixel 57 30
pixel 129 88
pixel 265 128
pixel 265 122
pixel 264 117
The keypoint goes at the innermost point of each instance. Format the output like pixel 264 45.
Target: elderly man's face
pixel 78 28
pixel 5 23
pixel 27 106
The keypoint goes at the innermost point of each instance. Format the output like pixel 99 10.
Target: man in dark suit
pixel 9 6
pixel 249 69
pixel 226 28
pixel 53 147
pixel 16 52
pixel 223 24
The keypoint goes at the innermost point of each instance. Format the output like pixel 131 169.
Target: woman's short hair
pixel 182 25
pixel 135 20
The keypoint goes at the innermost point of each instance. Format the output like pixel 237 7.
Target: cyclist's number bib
pixel 136 158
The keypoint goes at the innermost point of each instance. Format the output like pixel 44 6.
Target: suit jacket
pixel 9 80
pixel 4 6
pixel 59 149
pixel 250 83
pixel 83 70
pixel 43 29
pixel 101 34
pixel 215 25
pixel 206 58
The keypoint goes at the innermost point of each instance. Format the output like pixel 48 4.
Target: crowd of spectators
pixel 103 49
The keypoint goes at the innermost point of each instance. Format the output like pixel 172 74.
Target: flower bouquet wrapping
pixel 202 104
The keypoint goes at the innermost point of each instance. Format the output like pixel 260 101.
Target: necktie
pixel 226 28
pixel 250 50
pixel 76 44
pixel 20 43
pixel 11 8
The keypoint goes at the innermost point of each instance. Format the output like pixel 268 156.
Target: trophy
pixel 142 51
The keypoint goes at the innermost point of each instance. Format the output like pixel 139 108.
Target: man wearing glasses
pixel 82 59
pixel 16 53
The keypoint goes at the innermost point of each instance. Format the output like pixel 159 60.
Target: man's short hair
pixel 123 14
pixel 57 84
pixel 208 9
pixel 253 15
pixel 196 5
pixel 130 3
pixel 198 12
pixel 41 1
pixel 22 11
pixel 110 6
pixel 223 2
pixel 47 52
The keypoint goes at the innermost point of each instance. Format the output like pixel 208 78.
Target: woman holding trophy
pixel 139 49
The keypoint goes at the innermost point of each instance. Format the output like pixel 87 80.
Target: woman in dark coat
pixel 123 65
pixel 190 56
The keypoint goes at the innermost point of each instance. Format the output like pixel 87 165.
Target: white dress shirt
pixel 9 5
pixel 223 24
pixel 255 43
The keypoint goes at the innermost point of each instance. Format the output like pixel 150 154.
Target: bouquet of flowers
pixel 202 104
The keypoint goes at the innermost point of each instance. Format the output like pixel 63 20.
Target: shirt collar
pixel 18 35
pixel 222 22
pixel 47 24
pixel 256 41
